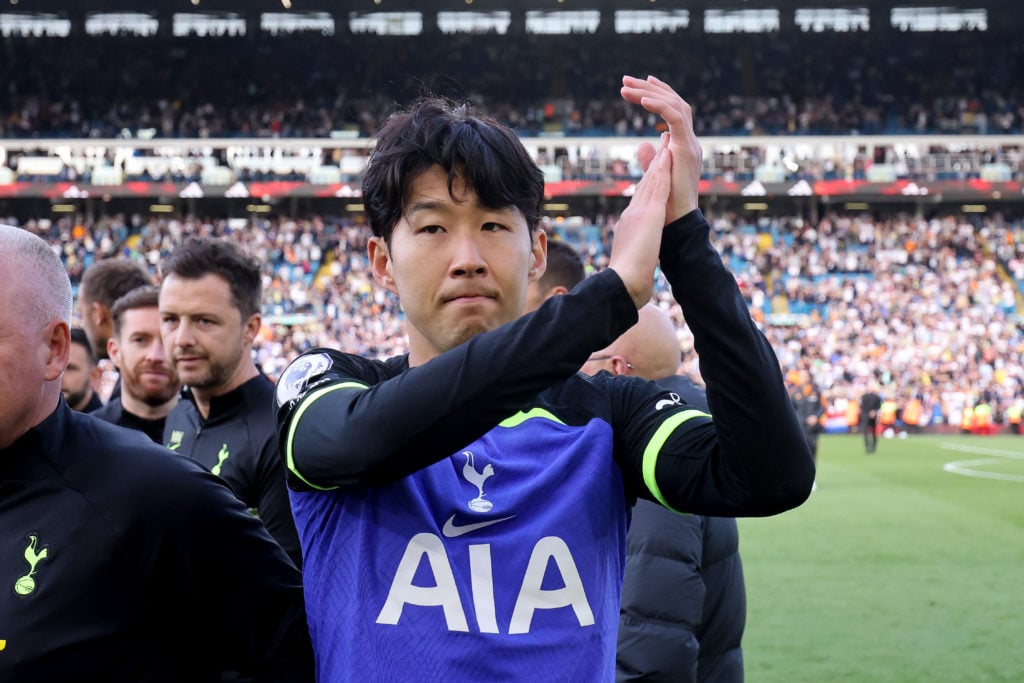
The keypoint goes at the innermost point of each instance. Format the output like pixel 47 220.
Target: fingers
pixel 657 180
pixel 659 98
pixel 638 233
pixel 645 155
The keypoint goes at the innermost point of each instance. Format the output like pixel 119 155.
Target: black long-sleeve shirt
pixel 121 561
pixel 238 443
pixel 751 461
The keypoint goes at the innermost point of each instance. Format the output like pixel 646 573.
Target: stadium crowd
pixel 739 84
pixel 924 308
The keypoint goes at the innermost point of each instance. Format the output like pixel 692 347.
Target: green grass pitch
pixel 896 569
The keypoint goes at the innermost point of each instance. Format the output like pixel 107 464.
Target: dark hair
pixel 104 282
pixel 487 154
pixel 200 256
pixel 565 267
pixel 140 297
pixel 79 337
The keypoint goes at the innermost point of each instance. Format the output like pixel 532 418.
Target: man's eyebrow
pixel 424 205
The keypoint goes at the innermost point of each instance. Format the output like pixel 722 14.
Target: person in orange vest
pixel 967 420
pixel 912 413
pixel 1014 413
pixel 852 416
pixel 983 418
pixel 887 415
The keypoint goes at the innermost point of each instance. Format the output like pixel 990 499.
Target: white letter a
pixel 443 593
pixel 533 597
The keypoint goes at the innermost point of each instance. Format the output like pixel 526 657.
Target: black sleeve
pixel 272 500
pixel 345 425
pixel 234 585
pixel 752 458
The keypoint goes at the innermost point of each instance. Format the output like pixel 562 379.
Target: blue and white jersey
pixel 465 519
pixel 502 562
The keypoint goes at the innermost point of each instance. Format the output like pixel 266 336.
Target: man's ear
pixel 112 353
pixel 621 366
pixel 539 251
pixel 381 264
pixel 252 328
pixel 100 314
pixel 57 338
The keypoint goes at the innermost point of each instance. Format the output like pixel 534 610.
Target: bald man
pixel 119 560
pixel 650 349
pixel 683 597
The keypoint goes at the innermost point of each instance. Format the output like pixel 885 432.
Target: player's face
pixel 138 352
pixel 203 332
pixel 77 382
pixel 459 268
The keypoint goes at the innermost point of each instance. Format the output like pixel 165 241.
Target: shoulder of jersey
pixel 302 373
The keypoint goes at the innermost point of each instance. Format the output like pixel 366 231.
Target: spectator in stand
pixel 81 380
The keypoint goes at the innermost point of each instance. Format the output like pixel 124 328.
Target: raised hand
pixel 659 98
pixel 638 233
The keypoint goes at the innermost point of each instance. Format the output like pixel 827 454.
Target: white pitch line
pixel 979 449
pixel 964 467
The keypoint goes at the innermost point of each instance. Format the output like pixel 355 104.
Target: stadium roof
pixel 248 6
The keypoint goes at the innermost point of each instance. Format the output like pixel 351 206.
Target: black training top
pixel 238 443
pixel 114 413
pixel 120 561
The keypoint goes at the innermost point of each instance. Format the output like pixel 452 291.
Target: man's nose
pixel 468 258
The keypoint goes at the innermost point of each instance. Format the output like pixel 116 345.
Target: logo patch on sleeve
pixel 299 374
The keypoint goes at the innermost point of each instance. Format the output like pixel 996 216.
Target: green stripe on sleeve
pixel 303 405
pixel 521 417
pixel 654 446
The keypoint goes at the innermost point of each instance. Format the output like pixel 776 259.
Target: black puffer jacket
pixel 684 601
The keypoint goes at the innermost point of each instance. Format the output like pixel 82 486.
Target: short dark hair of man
pixel 201 256
pixel 104 282
pixel 78 337
pixel 485 153
pixel 140 297
pixel 565 267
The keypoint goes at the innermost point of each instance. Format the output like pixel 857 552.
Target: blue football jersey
pixel 502 562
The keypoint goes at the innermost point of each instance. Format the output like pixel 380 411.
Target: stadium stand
pixel 866 186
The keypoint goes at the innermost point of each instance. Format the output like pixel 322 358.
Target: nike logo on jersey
pixel 450 530
pixel 672 400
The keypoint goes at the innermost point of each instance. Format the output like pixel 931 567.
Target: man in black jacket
pixel 684 602
pixel 209 316
pixel 118 560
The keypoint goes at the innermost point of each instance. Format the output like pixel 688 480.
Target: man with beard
pixel 119 560
pixel 149 384
pixel 82 377
pixel 209 316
